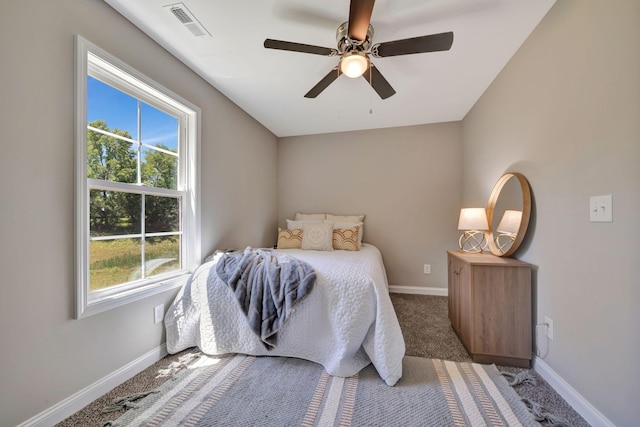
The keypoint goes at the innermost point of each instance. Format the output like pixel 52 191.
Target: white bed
pixel 344 324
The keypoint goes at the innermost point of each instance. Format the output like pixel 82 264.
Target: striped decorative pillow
pixel 289 239
pixel 346 238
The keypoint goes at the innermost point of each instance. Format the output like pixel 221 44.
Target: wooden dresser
pixel 490 307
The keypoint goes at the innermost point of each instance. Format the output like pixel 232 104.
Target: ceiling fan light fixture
pixel 353 64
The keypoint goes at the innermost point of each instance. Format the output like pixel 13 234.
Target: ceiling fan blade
pixel 430 43
pixel 299 47
pixel 378 82
pixel 324 83
pixel 359 18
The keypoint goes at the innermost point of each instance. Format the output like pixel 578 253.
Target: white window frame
pixel 92 60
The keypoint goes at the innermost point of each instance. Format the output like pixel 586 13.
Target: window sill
pixel 121 299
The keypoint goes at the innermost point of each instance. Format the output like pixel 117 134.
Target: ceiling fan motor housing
pixel 346 44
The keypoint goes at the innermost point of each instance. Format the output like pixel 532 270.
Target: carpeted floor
pixel 424 321
pixel 427 333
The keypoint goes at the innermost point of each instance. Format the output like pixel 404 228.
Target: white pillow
pixel 347 224
pixel 295 225
pixel 345 218
pixel 306 217
pixel 317 237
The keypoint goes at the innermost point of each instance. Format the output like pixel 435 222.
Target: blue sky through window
pixel 119 111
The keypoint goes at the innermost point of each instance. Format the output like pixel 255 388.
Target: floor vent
pixel 186 18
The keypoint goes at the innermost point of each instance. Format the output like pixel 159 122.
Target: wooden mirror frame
pixel 526 213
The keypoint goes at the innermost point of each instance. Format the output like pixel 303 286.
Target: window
pixel 137 204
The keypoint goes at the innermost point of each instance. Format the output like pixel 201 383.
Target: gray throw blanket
pixel 268 285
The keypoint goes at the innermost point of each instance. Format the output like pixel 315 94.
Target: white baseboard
pixel 82 398
pixel 586 410
pixel 420 290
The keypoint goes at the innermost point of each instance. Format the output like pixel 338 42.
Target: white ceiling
pixel 270 84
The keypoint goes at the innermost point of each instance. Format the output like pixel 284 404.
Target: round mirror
pixel 508 212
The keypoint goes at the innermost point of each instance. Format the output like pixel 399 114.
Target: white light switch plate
pixel 601 209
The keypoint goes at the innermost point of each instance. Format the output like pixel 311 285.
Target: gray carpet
pixel 427 332
pixel 424 321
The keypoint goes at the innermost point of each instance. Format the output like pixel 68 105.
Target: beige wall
pixel 565 112
pixel 407 181
pixel 47 356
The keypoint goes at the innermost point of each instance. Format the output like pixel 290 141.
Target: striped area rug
pixel 276 391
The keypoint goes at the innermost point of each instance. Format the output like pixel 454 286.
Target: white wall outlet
pixel 427 269
pixel 601 208
pixel 549 322
pixel 158 313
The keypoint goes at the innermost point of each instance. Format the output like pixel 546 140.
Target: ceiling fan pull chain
pixel 370 92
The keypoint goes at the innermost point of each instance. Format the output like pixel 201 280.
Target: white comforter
pixel 346 322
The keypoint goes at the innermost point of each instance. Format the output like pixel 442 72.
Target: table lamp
pixel 473 221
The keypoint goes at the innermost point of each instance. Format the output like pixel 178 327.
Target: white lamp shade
pixel 510 222
pixel 354 64
pixel 473 219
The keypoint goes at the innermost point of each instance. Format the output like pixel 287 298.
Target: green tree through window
pixel 134 235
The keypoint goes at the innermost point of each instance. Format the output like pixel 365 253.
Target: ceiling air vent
pixel 186 18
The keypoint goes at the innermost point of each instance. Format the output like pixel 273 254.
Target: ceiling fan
pixel 354 48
